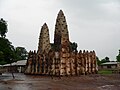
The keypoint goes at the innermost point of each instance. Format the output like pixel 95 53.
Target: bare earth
pixel 33 82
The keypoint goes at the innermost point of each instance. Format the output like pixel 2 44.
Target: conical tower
pixel 61 35
pixel 44 40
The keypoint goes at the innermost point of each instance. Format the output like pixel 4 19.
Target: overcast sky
pixel 93 24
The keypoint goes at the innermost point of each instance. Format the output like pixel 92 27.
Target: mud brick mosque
pixel 58 58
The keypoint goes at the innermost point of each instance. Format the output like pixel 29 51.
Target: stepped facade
pixel 58 59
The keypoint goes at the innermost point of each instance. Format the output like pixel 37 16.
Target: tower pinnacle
pixel 60 14
pixel 44 40
pixel 61 35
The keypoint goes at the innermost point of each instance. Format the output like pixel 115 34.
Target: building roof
pixel 110 63
pixel 18 63
pixel 21 62
pixel 1 65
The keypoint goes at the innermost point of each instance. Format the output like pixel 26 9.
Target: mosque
pixel 58 58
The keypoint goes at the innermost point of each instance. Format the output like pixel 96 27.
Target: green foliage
pixel 10 54
pixel 103 61
pixel 118 57
pixel 21 53
pixel 98 61
pixel 105 72
pixel 73 46
pixel 7 52
pixel 3 28
pixel 2 57
pixel 106 59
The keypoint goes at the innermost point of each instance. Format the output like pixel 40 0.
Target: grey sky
pixel 93 24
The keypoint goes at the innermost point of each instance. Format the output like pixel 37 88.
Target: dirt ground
pixel 33 82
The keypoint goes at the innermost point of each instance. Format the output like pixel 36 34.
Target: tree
pixel 118 57
pixel 73 46
pixel 106 59
pixel 103 61
pixel 2 61
pixel 98 61
pixel 7 51
pixel 21 53
pixel 3 28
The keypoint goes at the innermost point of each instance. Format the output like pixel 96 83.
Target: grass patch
pixel 105 72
